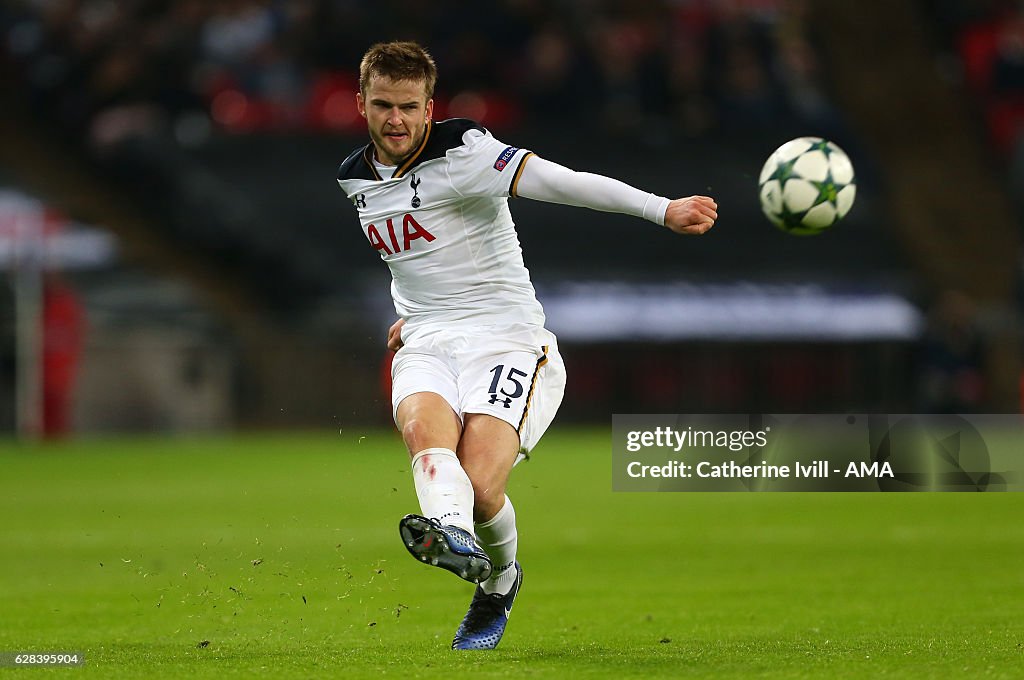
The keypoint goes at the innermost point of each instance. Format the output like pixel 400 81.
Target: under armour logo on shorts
pixel 507 401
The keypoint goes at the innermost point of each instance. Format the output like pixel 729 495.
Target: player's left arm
pixel 543 180
pixel 395 335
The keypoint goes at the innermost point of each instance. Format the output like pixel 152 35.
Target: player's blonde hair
pixel 398 60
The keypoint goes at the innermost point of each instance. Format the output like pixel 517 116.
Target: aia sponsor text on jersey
pixel 397 241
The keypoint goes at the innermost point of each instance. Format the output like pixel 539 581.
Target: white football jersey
pixel 443 226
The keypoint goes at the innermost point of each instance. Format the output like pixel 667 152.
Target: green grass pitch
pixel 278 556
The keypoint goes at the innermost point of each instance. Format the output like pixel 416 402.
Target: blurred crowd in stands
pixel 982 44
pixel 985 41
pixel 108 68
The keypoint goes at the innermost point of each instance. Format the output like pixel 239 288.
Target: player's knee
pixel 416 432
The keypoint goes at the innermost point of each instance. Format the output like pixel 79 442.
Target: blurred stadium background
pixel 179 258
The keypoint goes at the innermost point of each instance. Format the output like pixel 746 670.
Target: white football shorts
pixel 512 373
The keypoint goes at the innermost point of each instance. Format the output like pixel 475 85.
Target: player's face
pixel 396 113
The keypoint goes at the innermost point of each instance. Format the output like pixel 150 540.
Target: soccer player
pixel 477 378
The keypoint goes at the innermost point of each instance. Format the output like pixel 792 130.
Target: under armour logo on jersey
pixel 360 201
pixel 413 182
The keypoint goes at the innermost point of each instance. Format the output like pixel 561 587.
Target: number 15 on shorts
pixel 506 386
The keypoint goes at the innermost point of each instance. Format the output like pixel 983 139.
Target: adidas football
pixel 807 186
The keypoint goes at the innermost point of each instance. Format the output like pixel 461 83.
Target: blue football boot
pixel 445 546
pixel 487 617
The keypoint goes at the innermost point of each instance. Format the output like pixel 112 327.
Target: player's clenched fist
pixel 691 215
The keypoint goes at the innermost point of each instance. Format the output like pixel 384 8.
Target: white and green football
pixel 807 186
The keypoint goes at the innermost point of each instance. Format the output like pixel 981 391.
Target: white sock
pixel 499 538
pixel 443 488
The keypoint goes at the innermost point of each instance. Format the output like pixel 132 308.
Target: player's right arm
pixel 542 180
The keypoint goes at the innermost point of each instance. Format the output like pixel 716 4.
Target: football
pixel 807 185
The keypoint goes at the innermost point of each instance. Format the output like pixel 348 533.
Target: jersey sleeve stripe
pixel 519 171
pixel 412 159
pixel 533 384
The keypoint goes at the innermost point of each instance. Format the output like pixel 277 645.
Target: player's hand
pixel 395 335
pixel 691 215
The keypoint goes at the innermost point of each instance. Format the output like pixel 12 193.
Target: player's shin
pixel 443 488
pixel 499 539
